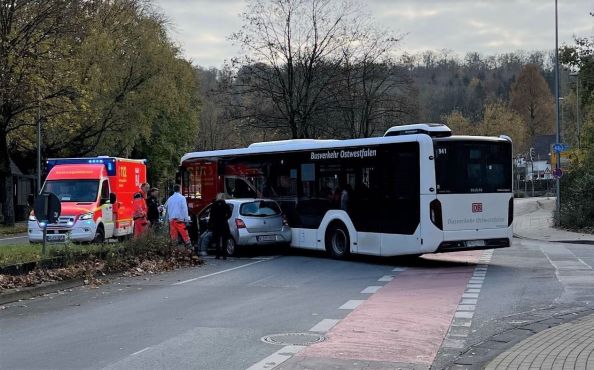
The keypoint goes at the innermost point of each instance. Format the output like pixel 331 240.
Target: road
pixel 439 311
pixel 14 239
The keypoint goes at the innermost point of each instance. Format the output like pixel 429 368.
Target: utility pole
pixel 577 105
pixel 38 148
pixel 558 134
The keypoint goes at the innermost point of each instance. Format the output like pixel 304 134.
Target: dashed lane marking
pixel 386 278
pixel 277 358
pixel 324 325
pixel 371 289
pixel 460 328
pixel 351 305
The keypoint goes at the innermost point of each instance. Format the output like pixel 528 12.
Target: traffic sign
pixel 557 173
pixel 547 171
pixel 560 147
pixel 47 208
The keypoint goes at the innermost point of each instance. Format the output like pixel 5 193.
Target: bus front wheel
pixel 338 243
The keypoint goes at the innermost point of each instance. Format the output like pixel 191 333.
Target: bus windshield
pixel 463 167
pixel 73 190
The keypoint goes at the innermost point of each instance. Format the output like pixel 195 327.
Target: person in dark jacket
pixel 152 203
pixel 218 224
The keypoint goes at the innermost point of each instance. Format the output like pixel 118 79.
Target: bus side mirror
pixel 112 198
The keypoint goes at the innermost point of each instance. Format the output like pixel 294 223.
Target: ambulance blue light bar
pixel 109 163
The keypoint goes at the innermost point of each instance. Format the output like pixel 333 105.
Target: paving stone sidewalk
pixel 533 219
pixel 567 346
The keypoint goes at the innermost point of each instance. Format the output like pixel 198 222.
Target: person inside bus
pixel 345 195
pixel 218 224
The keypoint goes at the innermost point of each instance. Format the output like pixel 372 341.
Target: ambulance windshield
pixel 73 190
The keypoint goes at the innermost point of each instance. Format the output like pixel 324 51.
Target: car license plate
pixel 267 238
pixel 57 238
pixel 475 243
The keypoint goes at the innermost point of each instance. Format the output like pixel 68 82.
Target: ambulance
pixel 96 196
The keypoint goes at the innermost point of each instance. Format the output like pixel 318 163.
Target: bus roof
pixel 310 144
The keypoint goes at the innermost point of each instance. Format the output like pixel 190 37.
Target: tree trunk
pixel 6 178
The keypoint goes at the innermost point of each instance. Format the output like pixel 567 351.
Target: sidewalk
pixel 533 219
pixel 567 346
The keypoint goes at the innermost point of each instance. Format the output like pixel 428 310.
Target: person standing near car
pixel 152 203
pixel 177 213
pixel 218 224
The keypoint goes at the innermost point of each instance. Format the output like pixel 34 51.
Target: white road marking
pixel 461 322
pixel 139 352
pixel 474 286
pixel 371 289
pixel 386 278
pixel 277 358
pixel 468 301
pixel 218 272
pixel 399 269
pixel 470 295
pixel 473 290
pixel 267 258
pixel 463 315
pixel 466 307
pixel 351 305
pixel 324 325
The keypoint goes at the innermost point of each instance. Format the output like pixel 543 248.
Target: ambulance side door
pixel 106 209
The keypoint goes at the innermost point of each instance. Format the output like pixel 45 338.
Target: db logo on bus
pixel 477 207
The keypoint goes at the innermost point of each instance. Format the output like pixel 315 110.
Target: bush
pixel 577 198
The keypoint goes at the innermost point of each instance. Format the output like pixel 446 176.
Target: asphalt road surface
pixel 14 239
pixel 213 317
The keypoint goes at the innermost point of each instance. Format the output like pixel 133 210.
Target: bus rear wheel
pixel 337 241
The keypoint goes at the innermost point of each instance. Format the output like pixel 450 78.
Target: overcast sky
pixel 201 27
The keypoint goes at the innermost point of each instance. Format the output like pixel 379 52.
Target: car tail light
pixel 285 222
pixel 435 214
pixel 239 223
pixel 510 212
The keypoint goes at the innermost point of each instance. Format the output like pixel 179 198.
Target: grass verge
pixel 19 228
pixel 151 253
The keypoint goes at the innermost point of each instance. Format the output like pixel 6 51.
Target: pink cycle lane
pixel 406 321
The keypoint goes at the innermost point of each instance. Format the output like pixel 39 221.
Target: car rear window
pixel 260 208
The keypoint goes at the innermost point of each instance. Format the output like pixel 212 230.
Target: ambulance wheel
pixel 99 236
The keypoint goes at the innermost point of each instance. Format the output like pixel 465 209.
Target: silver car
pixel 252 222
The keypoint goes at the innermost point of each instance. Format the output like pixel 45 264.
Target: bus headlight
pixel 86 216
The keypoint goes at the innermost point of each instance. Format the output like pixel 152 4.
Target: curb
pixel 26 293
pixel 480 354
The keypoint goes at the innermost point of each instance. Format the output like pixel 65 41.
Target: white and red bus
pixel 416 190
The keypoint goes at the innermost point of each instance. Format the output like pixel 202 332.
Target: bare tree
pixel 374 91
pixel 293 54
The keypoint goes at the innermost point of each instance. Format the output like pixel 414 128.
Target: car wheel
pixel 99 236
pixel 337 240
pixel 231 246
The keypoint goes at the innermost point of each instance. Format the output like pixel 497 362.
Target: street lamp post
pixel 558 134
